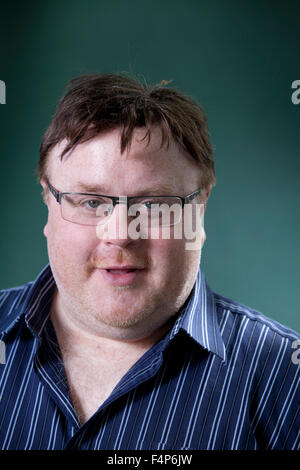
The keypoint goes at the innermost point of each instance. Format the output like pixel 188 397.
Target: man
pixel 119 343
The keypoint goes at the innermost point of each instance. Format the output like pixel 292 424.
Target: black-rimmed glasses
pixel 93 209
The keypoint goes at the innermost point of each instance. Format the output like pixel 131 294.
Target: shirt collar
pixel 198 317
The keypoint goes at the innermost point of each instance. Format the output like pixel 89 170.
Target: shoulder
pixel 249 332
pixel 17 301
pixel 264 357
pixel 241 313
pixel 13 301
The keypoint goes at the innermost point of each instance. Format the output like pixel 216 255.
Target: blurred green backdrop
pixel 238 59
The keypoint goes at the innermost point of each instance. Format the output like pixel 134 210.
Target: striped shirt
pixel 223 377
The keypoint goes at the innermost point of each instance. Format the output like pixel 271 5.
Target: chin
pixel 129 315
pixel 121 319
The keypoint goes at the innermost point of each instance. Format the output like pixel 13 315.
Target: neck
pixel 73 339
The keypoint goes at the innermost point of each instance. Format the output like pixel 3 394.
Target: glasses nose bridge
pixel 119 200
pixel 117 221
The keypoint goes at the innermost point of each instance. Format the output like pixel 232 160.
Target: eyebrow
pixel 97 189
pixel 89 188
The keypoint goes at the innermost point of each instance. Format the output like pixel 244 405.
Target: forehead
pixel 99 163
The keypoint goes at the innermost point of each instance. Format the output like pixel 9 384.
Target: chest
pixel 91 381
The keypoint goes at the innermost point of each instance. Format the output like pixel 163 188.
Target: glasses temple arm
pixel 55 193
pixel 192 196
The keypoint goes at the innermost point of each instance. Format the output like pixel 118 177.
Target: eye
pixel 92 203
pixel 151 203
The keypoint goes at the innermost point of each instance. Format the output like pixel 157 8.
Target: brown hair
pixel 101 102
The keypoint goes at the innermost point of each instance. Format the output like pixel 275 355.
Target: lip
pixel 120 278
pixel 123 267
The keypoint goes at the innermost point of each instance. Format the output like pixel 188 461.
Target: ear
pixel 45 192
pixel 45 230
pixel 45 195
pixel 207 193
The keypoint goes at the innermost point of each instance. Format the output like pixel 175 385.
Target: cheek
pixel 169 255
pixel 175 267
pixel 69 241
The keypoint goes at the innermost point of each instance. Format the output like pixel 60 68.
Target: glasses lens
pixel 159 211
pixel 86 210
pixel 93 210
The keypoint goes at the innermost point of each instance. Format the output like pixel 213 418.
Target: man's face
pixel 89 295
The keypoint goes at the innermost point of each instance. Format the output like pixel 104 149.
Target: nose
pixel 115 230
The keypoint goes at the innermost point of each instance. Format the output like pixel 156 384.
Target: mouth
pixel 121 275
pixel 122 269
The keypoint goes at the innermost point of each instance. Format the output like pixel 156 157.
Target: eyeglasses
pixel 94 209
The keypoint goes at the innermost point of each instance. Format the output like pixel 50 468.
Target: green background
pixel 237 58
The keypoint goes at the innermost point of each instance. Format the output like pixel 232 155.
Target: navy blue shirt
pixel 223 377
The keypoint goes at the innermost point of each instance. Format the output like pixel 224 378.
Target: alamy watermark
pixel 296 94
pixel 2 352
pixel 296 353
pixel 2 92
pixel 189 225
